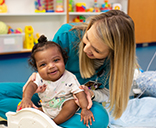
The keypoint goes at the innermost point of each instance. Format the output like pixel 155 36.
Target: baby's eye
pixel 56 60
pixel 42 65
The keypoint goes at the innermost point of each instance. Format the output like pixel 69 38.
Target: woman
pixel 102 51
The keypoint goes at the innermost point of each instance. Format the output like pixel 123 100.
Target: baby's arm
pixel 68 110
pixel 86 114
pixel 27 95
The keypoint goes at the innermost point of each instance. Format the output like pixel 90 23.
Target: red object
pixel 58 11
pixel 3 1
pixel 20 108
pixel 80 9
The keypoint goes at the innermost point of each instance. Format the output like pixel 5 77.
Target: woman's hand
pixel 88 93
pixel 41 88
pixel 31 78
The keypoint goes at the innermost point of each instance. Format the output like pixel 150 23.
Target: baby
pixel 49 59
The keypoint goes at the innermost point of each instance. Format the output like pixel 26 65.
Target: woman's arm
pixel 100 95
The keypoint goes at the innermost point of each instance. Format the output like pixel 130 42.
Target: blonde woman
pixel 101 53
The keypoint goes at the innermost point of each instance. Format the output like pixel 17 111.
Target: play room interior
pixel 23 21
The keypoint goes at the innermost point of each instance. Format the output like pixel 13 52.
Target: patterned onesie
pixel 57 92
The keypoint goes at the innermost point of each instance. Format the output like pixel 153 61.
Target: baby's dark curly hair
pixel 42 45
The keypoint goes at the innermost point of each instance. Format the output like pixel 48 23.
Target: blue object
pixel 139 113
pixel 147 83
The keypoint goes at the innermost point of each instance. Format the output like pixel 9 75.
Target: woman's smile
pixel 89 54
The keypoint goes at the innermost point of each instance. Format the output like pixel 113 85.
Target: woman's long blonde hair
pixel 116 29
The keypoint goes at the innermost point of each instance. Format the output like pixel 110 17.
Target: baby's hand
pixel 41 88
pixel 87 116
pixel 26 103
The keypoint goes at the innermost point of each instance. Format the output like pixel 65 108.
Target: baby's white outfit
pixel 57 92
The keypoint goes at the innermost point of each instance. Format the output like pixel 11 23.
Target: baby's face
pixel 50 63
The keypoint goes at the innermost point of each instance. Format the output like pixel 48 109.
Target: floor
pixel 144 55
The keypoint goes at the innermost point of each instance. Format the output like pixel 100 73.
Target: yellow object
pixel 1 2
pixel 3 8
pixel 2 119
pixel 76 20
pixel 36 39
pixel 37 35
pixel 70 8
pixel 90 9
pixel 80 4
pixel 29 39
pixel 3 28
pixel 39 11
pixel 117 6
pixel 19 103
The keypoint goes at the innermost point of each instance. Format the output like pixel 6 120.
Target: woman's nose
pixel 86 48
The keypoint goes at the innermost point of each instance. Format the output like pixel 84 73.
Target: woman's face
pixel 94 47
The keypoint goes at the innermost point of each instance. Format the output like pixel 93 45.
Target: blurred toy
pixel 2 2
pixel 59 6
pixel 3 28
pixel 117 6
pixel 79 19
pixel 90 10
pixel 29 40
pixel 10 30
pixel 36 38
pixel 16 31
pixel 71 5
pixel 39 6
pixel 3 6
pixel 80 7
pixel 49 5
pixel 18 106
pixel 96 6
pixel 93 85
pixel 105 7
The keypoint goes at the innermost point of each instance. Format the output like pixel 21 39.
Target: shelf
pixel 32 14
pixel 21 13
pixel 16 52
pixel 84 13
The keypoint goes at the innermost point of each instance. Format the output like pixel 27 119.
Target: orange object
pixel 59 6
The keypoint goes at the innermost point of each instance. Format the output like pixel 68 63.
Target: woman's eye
pixel 96 51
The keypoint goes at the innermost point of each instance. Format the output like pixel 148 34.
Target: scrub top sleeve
pixel 62 36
